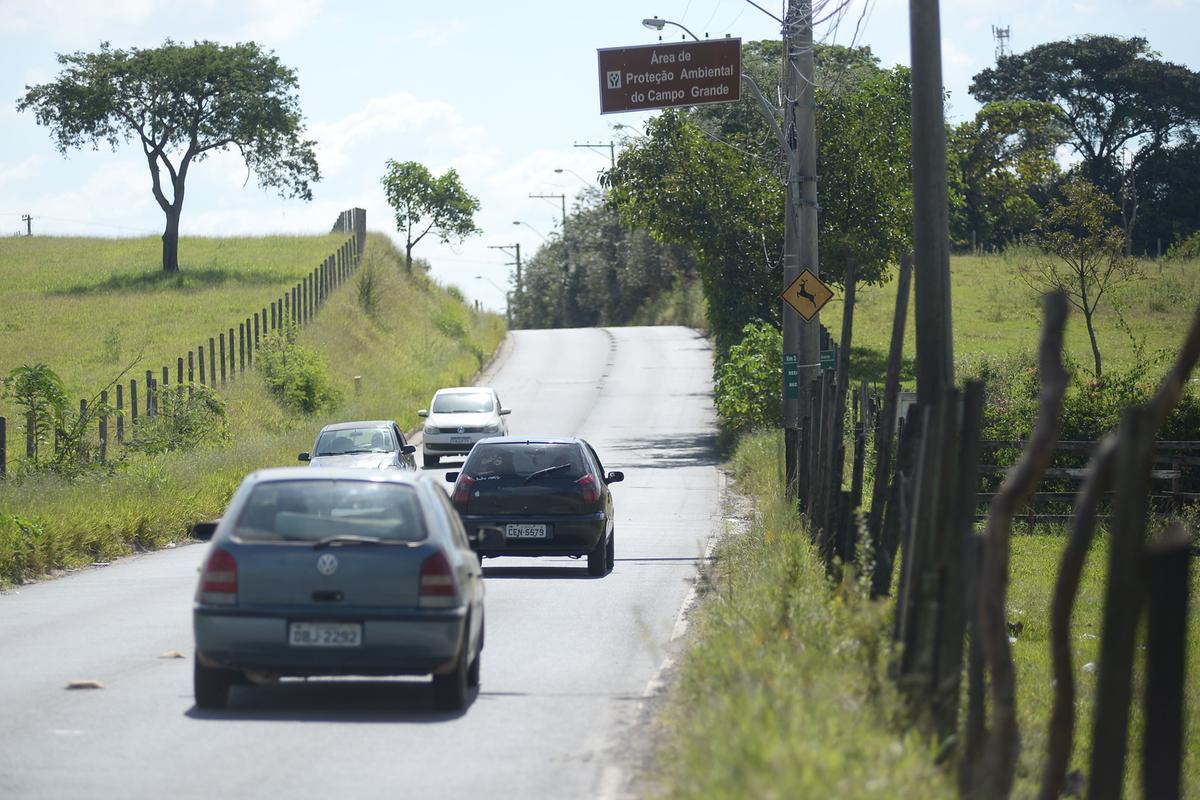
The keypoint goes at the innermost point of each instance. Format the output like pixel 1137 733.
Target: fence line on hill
pixel 231 352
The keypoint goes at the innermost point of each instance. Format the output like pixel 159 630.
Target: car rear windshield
pixel 462 403
pixel 313 510
pixel 354 440
pixel 525 461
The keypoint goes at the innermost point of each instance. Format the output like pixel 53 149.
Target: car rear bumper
pixel 415 642
pixel 441 444
pixel 574 535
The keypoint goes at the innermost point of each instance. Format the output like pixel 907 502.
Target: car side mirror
pixel 451 477
pixel 408 449
pixel 615 477
pixel 203 531
pixel 504 412
pixel 424 412
pixel 305 457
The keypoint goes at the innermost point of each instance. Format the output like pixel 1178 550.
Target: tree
pixel 425 204
pixel 1003 169
pixel 1114 93
pixel 1083 254
pixel 182 103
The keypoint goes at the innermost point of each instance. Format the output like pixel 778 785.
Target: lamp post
pixel 527 225
pixel 583 180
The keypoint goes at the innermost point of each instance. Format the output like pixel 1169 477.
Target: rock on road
pixel 567 663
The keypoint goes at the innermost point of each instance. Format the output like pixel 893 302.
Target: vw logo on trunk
pixel 327 564
pixel 460 429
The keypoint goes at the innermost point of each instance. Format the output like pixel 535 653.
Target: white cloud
pixel 21 171
pixel 71 19
pixel 275 20
pixel 384 118
pixel 440 36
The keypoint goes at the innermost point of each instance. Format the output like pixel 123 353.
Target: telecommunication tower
pixel 1001 36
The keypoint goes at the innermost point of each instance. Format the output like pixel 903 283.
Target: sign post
pixel 791 376
pixel 669 74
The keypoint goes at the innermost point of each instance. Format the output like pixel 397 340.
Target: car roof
pixel 364 423
pixel 332 474
pixel 463 390
pixel 532 440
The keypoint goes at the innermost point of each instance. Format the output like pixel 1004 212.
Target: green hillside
pixel 417 337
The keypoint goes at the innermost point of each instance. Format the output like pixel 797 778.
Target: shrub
pixel 1185 248
pixel 367 288
pixel 749 382
pixel 295 374
pixel 184 421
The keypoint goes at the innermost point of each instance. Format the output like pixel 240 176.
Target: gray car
pixel 368 444
pixel 338 572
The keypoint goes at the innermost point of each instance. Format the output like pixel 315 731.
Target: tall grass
pixel 994 312
pixel 782 692
pixel 401 357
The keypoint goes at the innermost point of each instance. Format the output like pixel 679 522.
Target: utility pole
pixel 800 337
pixel 28 220
pixel 513 250
pixel 612 149
pixel 931 214
pixel 565 304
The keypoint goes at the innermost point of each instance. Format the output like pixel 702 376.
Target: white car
pixel 459 417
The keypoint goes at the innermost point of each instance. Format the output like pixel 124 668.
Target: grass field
pixel 418 338
pixel 995 313
pixel 90 307
pixel 782 692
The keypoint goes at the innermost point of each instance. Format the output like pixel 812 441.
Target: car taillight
pixel 462 490
pixel 218 582
pixel 588 488
pixel 437 582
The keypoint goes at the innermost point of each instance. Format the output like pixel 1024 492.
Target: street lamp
pixel 585 181
pixel 527 225
pixel 656 24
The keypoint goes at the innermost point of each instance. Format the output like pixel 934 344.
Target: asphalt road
pixel 567 662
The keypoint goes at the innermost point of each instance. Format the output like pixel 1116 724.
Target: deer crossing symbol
pixel 803 292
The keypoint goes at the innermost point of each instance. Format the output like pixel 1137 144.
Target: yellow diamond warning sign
pixel 807 294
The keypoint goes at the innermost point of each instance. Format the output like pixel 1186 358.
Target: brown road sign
pixel 807 294
pixel 675 74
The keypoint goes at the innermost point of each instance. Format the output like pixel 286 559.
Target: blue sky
pixel 501 92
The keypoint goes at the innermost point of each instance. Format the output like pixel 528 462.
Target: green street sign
pixel 826 359
pixel 791 376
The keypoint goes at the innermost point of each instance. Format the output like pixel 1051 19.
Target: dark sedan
pixel 546 497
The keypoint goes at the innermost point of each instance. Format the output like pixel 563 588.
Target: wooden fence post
pixel 133 403
pixel 103 425
pixel 1168 563
pixel 200 364
pixel 191 375
pixel 120 414
pixel 212 361
pixel 264 326
pixel 221 336
pixel 1123 602
pixel 272 315
pixel 179 371
pixel 80 445
pixel 149 393
pixel 241 347
pixel 232 357
pixel 3 448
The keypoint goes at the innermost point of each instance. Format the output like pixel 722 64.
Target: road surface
pixel 567 662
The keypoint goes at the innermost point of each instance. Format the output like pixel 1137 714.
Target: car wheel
pixel 210 685
pixel 428 461
pixel 473 671
pixel 450 689
pixel 610 552
pixel 598 559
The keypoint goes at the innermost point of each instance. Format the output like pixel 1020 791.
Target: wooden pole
pixel 212 361
pixel 232 357
pixel 120 414
pixel 133 403
pixel 1168 564
pixel 103 427
pixel 200 364
pixel 1123 601
pixel 222 338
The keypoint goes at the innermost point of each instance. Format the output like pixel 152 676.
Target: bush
pixel 184 421
pixel 1185 249
pixel 295 374
pixel 749 382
